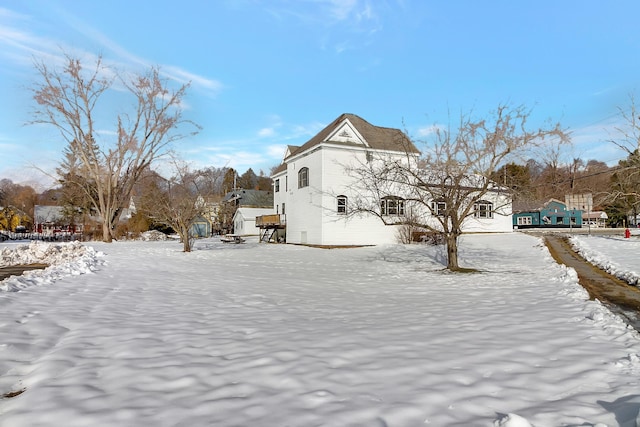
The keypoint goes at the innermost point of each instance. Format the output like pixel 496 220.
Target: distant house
pixel 47 219
pixel 244 220
pixel 552 214
pixel 239 198
pixel 53 220
pixel 50 222
pixel 596 219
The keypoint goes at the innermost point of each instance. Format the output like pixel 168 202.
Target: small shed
pixel 201 227
pixel 244 220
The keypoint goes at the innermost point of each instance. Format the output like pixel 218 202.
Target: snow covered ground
pixel 614 254
pixel 141 334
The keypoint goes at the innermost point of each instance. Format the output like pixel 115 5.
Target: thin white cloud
pixel 23 45
pixel 20 47
pixel 342 9
pixel 266 132
pixel 276 151
pixel 343 24
pixel 595 141
pixel 239 160
pixel 306 130
pixel 6 147
pixel 430 130
pixel 252 152
pixel 37 178
pixel 271 130
pixel 185 76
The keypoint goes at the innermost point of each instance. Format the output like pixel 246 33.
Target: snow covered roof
pixel 43 214
pixel 595 215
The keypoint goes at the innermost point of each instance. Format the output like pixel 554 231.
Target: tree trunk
pixel 451 240
pixel 106 232
pixel 186 245
pixel 186 242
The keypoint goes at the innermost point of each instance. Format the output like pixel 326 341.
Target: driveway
pixel 619 296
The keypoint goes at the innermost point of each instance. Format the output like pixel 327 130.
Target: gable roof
pixel 532 206
pixel 291 149
pixel 352 130
pixel 555 201
pixel 251 213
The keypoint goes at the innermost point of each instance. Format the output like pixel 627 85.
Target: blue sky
pixel 267 73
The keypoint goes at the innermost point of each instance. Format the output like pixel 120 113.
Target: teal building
pixel 553 214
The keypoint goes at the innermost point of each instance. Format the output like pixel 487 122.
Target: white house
pixel 595 219
pixel 312 188
pixel 244 220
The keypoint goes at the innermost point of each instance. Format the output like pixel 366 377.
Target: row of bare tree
pixel 165 203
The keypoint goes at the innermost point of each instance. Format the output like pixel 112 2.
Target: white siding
pixel 303 205
pixel 244 220
pixel 348 230
pixel 501 222
pixel 311 212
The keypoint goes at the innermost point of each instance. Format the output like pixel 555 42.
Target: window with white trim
pixel 303 177
pixel 438 207
pixel 342 205
pixel 276 185
pixel 483 209
pixel 524 220
pixel 392 206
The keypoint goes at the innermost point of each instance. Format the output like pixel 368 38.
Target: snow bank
pixel 616 255
pixel 153 236
pixel 63 259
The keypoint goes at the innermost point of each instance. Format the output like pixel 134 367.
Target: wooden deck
pixel 271 221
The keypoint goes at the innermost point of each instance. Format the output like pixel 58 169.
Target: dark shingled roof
pixel 378 138
pixel 250 198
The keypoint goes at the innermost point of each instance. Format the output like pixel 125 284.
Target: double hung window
pixel 342 205
pixel 483 209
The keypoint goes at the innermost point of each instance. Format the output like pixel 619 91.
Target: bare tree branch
pixel 447 186
pixel 107 171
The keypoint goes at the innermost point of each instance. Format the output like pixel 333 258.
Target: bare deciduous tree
pixel 70 99
pixel 624 192
pixel 450 181
pixel 628 138
pixel 177 202
pixel 625 183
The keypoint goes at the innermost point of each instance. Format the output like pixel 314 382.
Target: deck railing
pixel 274 220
